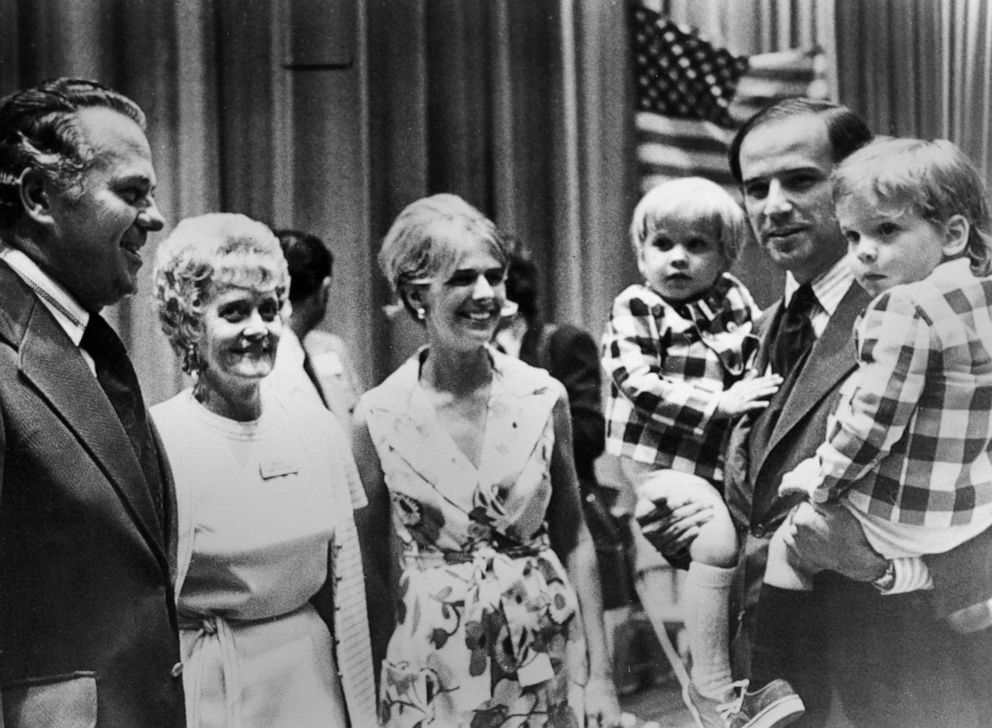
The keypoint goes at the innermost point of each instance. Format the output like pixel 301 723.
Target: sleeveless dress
pixel 488 629
pixel 259 504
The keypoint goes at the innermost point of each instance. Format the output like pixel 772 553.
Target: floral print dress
pixel 488 630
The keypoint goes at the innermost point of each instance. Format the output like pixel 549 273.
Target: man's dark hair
pixel 309 260
pixel 39 130
pixel 846 130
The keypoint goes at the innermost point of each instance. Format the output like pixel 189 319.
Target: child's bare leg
pixel 707 586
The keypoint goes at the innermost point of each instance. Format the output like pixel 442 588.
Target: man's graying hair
pixel 39 130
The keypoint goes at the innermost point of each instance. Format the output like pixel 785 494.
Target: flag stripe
pixel 674 138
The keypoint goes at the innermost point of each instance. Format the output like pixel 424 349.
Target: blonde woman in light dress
pixel 499 619
pixel 266 489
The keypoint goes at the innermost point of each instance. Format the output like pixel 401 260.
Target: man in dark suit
pixel 868 658
pixel 88 629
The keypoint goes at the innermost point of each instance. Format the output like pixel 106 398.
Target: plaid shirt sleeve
pixel 894 350
pixel 635 357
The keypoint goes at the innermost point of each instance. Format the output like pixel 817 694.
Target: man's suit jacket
pixel 88 629
pixel 888 658
pixel 762 449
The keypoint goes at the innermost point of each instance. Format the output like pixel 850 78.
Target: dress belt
pixel 213 627
pixel 210 627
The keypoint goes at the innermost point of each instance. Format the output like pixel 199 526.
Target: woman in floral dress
pixel 499 619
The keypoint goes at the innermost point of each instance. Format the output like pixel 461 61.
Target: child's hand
pixel 748 395
pixel 803 479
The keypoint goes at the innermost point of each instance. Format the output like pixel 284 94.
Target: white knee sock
pixel 707 620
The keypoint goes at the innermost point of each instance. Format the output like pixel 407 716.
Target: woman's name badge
pixel 276 468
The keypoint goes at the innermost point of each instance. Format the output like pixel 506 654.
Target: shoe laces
pixel 733 706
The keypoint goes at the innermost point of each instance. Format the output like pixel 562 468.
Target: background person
pixel 309 361
pixel 475 449
pixel 87 511
pixel 265 487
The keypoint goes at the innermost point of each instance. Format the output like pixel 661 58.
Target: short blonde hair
pixel 425 240
pixel 698 201
pixel 932 178
pixel 205 254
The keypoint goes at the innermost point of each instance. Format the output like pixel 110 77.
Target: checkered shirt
pixel 911 439
pixel 667 365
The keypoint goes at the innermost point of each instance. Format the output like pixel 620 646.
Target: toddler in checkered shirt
pixel 908 453
pixel 676 350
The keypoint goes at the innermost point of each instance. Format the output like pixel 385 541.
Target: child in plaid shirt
pixel 909 446
pixel 676 349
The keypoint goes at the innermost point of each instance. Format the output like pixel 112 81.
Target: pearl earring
pixel 192 363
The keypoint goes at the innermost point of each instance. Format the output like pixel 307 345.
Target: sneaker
pixel 706 712
pixel 774 705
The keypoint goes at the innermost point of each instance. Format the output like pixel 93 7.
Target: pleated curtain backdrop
pixel 331 115
pixel 920 68
pixel 521 108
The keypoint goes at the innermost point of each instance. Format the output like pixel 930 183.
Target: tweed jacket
pixel 88 629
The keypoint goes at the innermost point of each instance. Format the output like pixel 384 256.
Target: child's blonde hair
pixel 932 178
pixel 694 199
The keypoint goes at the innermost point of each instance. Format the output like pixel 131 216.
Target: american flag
pixel 692 96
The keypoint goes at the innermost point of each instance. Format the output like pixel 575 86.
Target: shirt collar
pixel 955 270
pixel 67 312
pixel 828 287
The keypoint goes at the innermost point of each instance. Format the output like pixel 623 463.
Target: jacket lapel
pixel 749 436
pixel 520 404
pixel 830 361
pixel 400 412
pixel 57 369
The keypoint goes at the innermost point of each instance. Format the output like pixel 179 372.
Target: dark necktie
pixel 795 334
pixel 119 382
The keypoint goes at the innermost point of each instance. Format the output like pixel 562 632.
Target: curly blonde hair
pixel 206 254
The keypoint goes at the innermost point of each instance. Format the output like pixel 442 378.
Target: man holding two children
pixel 864 657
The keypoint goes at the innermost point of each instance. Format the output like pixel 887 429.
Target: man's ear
pixel 325 291
pixel 35 196
pixel 956 232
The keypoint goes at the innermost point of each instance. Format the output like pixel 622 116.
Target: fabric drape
pixel 920 68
